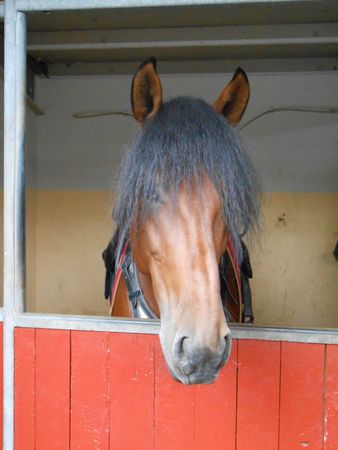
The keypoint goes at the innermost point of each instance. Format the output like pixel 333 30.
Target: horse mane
pixel 185 139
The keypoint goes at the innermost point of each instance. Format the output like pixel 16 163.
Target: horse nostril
pixel 180 355
pixel 228 344
pixel 178 350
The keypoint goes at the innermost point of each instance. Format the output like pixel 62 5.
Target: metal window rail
pixel 14 184
pixel 106 324
pixel 13 314
pixel 54 5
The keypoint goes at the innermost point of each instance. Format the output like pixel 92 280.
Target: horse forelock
pixel 186 139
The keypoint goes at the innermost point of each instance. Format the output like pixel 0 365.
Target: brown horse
pixel 186 186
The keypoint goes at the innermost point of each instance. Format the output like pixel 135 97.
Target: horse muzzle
pixel 193 363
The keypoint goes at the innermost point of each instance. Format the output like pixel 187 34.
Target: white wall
pixel 293 151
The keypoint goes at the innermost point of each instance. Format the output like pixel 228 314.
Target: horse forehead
pixel 202 197
pixel 192 208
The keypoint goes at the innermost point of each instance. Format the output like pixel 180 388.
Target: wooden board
pixel 174 406
pixel 215 409
pixel 89 419
pixel 330 438
pixel 1 384
pixel 92 390
pixel 258 395
pixel 52 389
pixel 131 387
pixel 24 395
pixel 302 391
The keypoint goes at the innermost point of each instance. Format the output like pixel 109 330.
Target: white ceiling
pixel 268 36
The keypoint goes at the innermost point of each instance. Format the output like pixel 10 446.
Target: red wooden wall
pixel 1 383
pixel 90 390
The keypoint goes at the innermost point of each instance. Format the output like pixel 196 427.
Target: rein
pixel 236 309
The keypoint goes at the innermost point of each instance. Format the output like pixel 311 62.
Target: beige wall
pixel 295 274
pixel 66 233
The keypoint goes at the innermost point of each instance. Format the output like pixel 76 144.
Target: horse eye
pixel 156 256
pixel 156 197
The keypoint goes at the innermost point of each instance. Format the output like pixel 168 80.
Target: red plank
pixel 52 389
pixel 89 391
pixel 215 410
pixel 258 395
pixel 1 384
pixel 24 396
pixel 331 399
pixel 174 409
pixel 301 410
pixel 131 384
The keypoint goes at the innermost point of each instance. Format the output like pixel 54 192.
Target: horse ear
pixel 234 98
pixel 146 91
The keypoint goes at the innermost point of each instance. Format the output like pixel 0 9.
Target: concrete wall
pixel 71 171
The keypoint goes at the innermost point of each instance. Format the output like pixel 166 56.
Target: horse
pixel 187 191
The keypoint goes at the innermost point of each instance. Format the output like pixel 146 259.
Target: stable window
pixel 90 57
pixel 75 148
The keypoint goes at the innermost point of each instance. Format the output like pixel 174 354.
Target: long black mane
pixel 186 138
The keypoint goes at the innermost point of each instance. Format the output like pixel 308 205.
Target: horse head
pixel 185 186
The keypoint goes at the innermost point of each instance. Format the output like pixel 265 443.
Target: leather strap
pixel 231 281
pixel 135 294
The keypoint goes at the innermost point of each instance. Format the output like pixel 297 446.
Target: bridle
pixel 140 307
pixel 138 302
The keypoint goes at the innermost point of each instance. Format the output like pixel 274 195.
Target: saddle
pixel 234 282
